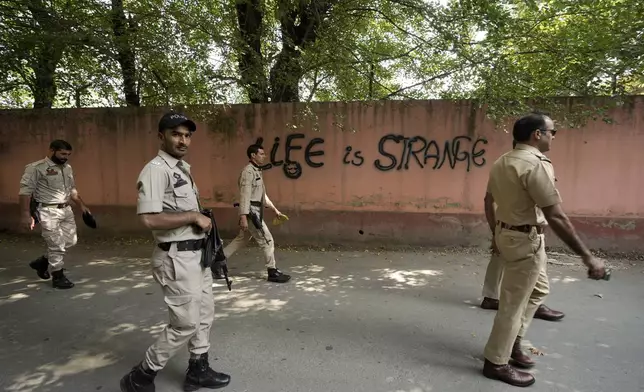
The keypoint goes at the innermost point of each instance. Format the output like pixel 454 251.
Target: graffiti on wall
pixel 293 169
pixel 395 151
pixel 459 149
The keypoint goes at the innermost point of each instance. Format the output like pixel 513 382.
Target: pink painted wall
pixel 598 167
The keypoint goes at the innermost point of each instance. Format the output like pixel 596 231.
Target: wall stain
pixel 613 224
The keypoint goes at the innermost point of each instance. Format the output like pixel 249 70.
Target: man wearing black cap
pixel 168 204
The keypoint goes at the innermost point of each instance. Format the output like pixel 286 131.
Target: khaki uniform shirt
pixel 251 187
pixel 522 182
pixel 164 187
pixel 48 182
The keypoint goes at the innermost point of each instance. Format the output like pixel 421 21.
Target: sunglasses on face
pixel 553 131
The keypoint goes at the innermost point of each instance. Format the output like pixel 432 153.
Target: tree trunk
pixel 251 62
pixel 300 29
pixel 47 53
pixel 125 53
pixel 44 66
pixel 286 75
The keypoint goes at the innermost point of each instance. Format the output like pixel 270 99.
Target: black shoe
pixel 138 380
pixel 41 265
pixel 200 375
pixel 60 281
pixel 275 275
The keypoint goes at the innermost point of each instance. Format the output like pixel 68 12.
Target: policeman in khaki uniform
pixel 492 281
pixel 168 204
pixel 522 184
pixel 50 183
pixel 252 199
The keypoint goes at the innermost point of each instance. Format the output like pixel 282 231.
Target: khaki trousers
pixel 187 291
pixel 264 241
pixel 524 287
pixel 58 229
pixel 493 275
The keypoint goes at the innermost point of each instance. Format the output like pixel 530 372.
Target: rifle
pixel 33 210
pixel 214 250
pixel 256 217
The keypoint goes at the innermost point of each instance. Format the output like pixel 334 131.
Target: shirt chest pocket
pixel 55 179
pixel 258 182
pixel 185 199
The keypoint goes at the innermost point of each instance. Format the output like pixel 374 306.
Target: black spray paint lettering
pixel 292 168
pixel 423 150
pixel 356 160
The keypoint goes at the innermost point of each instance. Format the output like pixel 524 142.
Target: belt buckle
pixel 182 245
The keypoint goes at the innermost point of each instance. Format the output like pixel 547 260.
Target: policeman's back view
pixel 168 204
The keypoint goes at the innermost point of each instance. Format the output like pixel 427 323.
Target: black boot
pixel 275 275
pixel 200 375
pixel 41 265
pixel 138 380
pixel 60 281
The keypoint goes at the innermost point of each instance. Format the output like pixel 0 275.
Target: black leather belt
pixel 62 205
pixel 252 203
pixel 522 228
pixel 183 246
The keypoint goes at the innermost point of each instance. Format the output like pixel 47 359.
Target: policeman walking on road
pixel 50 184
pixel 492 282
pixel 168 204
pixel 522 184
pixel 252 199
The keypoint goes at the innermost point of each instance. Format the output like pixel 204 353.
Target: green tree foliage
pixel 507 55
pixel 541 50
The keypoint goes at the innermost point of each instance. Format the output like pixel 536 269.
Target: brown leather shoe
pixel 490 303
pixel 520 358
pixel 507 374
pixel 545 313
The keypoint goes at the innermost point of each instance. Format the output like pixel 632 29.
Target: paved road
pixel 348 321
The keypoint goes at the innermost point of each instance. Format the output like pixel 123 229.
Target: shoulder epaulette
pixel 544 158
pixel 36 163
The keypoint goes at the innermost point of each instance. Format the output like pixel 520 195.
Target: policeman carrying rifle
pixel 252 200
pixel 168 204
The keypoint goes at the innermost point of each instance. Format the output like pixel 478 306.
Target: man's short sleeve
pixel 28 181
pixel 72 182
pixel 488 189
pixel 541 186
pixel 151 186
